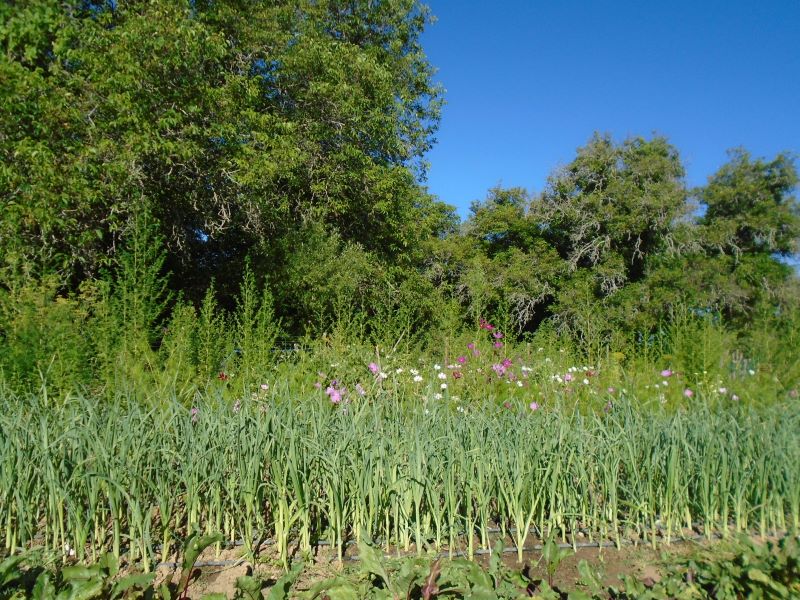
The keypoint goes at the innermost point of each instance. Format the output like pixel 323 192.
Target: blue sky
pixel 528 81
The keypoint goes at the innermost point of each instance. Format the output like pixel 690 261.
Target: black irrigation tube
pixel 478 552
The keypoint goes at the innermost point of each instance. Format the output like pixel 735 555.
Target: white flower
pixel 417 378
pixel 383 375
pixel 519 383
pixel 460 408
pixel 413 371
pixel 437 396
pixel 585 381
pixel 540 350
pixel 442 375
pixel 443 386
pixel 398 371
pixel 437 367
pixel 547 360
pixel 751 371
pixel 664 383
pixel 723 390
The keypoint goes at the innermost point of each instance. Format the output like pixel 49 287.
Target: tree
pixel 749 208
pixel 236 122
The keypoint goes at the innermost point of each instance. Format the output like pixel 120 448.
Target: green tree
pixel 237 122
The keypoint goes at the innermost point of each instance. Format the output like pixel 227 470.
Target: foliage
pixel 233 123
pixel 745 569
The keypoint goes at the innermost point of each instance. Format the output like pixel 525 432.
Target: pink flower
pixel 498 344
pixel 534 406
pixel 612 390
pixel 688 393
pixel 471 346
pixel 318 385
pixel 666 373
pixel 476 353
pixel 374 368
pixel 497 335
pixel 506 362
pixel 499 369
pixel 568 377
pixel 461 359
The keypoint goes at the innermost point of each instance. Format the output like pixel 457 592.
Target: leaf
pixel 248 586
pixel 195 545
pixel 337 588
pixel 82 590
pixel 9 570
pixel 140 580
pixel 372 561
pixel 280 591
pixel 80 572
pixel 43 589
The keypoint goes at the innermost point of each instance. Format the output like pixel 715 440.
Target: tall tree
pixel 238 122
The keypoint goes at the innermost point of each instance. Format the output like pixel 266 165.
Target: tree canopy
pixel 289 135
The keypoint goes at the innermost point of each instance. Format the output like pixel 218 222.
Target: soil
pixel 639 561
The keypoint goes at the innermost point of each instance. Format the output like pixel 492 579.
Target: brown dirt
pixel 641 562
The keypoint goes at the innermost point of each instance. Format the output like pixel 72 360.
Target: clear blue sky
pixel 528 81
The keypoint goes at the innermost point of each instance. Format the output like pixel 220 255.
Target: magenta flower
pixel 498 344
pixel 688 393
pixel 471 346
pixel 666 373
pixel 461 359
pixel 374 368
pixel 534 406
pixel 497 335
pixel 506 362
